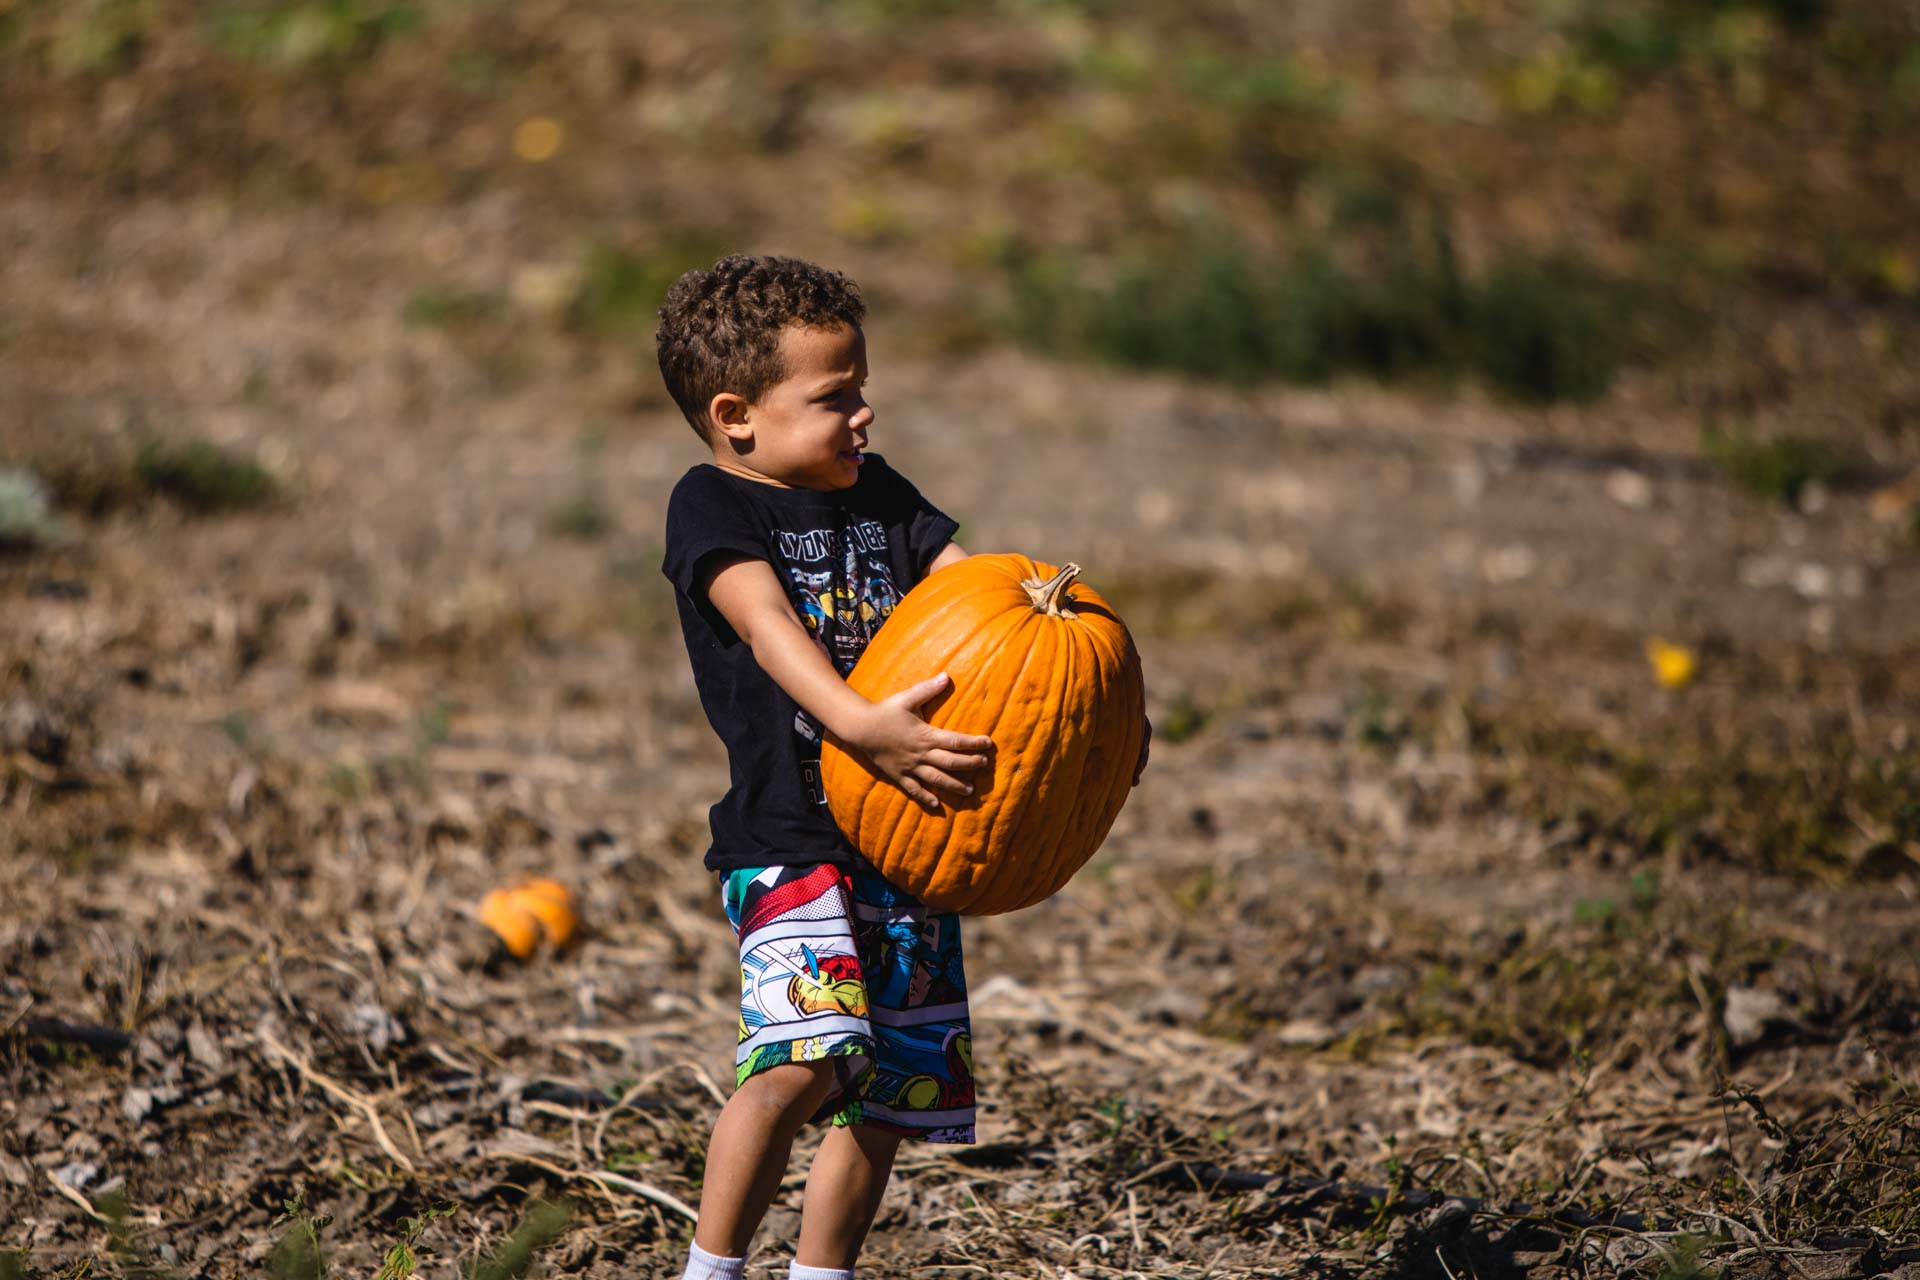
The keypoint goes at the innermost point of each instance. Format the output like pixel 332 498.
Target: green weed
pixel 1260 85
pixel 1195 890
pixel 1779 469
pixel 297 1254
pixel 1781 805
pixel 1680 1260
pixel 436 308
pixel 1548 329
pixel 402 1258
pixel 433 726
pixel 1182 719
pixel 134 1261
pixel 621 290
pixel 1540 329
pixel 349 780
pixel 300 33
pixel 1553 994
pixel 1376 722
pixel 899 11
pixel 204 477
pixel 582 517
pixel 543 1224
pixel 100 36
pixel 1852 1166
pixel 1665 35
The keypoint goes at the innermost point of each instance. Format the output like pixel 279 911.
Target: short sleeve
pixel 703 519
pixel 928 528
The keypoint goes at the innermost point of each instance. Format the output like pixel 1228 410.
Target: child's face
pixel 808 430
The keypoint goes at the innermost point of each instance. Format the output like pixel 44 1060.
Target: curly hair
pixel 720 328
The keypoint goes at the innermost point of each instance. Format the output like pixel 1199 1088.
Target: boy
pixel 788 551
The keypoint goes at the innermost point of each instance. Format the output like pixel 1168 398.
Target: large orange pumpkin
pixel 1045 668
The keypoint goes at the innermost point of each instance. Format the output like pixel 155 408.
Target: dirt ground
pixel 1397 915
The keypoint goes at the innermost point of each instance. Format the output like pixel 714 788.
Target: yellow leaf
pixel 1673 665
pixel 538 139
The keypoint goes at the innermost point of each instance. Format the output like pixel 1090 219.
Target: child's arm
pixel 949 554
pixel 916 756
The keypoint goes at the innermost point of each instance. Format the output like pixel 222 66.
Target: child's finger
pixel 920 795
pixel 953 762
pixel 913 695
pixel 971 742
pixel 933 777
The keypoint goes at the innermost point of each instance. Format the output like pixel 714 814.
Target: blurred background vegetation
pixel 1542 197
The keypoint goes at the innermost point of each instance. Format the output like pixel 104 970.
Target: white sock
pixel 797 1272
pixel 702 1265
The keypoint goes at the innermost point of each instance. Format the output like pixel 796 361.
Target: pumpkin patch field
pixel 1525 881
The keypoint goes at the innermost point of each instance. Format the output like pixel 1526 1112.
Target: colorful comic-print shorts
pixel 841 966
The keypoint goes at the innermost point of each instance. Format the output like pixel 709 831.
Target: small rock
pixel 1630 489
pixel 1509 564
pixel 1813 581
pixel 376 1025
pixel 518 1142
pixel 37 730
pixel 1156 508
pixel 1896 502
pixel 15 1170
pixel 204 1049
pixel 1760 572
pixel 1305 1033
pixel 1750 1011
pixel 76 1174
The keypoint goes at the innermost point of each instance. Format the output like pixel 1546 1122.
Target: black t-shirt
pixel 846 558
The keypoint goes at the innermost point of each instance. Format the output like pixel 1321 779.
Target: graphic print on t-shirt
pixel 840 585
pixel 842 588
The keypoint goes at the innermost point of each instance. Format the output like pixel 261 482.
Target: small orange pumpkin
pixel 529 911
pixel 1045 668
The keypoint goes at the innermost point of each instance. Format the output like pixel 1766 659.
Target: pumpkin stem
pixel 1050 597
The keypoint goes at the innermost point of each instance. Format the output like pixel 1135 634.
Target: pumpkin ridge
pixel 1035 836
pixel 908 814
pixel 972 702
pixel 1071 661
pixel 1094 810
pixel 1126 735
pixel 900 813
pixel 1019 840
pixel 1093 674
pixel 975 859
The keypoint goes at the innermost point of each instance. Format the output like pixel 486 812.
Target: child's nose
pixel 863 417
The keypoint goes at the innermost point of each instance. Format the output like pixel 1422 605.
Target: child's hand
pixel 918 758
pixel 1146 741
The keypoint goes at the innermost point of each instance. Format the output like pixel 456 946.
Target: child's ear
pixel 729 413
